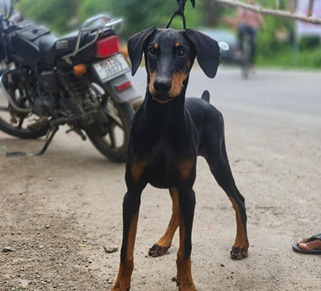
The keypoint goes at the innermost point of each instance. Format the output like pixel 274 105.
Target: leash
pixel 180 11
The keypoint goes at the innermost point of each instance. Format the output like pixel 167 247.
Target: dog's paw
pixel 117 288
pixel 157 251
pixel 239 252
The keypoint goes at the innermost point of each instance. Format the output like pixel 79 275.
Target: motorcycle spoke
pixel 112 114
pixel 114 140
pixel 117 123
pixel 20 123
pixel 112 136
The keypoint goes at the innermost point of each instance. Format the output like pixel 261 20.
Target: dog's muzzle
pixel 162 86
pixel 160 90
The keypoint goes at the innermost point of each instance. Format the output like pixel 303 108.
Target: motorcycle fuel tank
pixel 24 43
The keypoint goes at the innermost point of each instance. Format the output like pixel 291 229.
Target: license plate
pixel 112 67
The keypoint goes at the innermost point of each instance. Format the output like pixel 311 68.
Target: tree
pixel 62 16
pixel 142 14
pixel 55 14
pixel 88 8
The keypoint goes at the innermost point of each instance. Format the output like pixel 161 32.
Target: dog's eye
pixel 152 51
pixel 181 52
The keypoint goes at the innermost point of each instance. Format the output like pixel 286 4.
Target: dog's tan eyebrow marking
pixel 178 44
pixel 156 45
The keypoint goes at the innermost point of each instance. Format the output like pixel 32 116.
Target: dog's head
pixel 169 56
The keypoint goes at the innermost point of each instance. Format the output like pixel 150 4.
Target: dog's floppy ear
pixel 136 45
pixel 207 51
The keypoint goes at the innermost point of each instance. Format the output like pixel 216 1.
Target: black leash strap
pixel 180 12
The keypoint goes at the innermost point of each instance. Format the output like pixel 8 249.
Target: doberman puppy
pixel 168 133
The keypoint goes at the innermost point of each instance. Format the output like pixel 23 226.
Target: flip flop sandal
pixel 296 248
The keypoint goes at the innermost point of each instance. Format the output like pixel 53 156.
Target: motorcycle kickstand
pixel 49 140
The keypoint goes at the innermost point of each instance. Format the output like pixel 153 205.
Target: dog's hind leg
pixel 220 168
pixel 165 242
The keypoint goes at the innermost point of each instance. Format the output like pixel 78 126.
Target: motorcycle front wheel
pixel 113 141
pixel 20 124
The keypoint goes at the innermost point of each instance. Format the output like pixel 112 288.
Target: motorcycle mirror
pixel 223 45
pixel 6 8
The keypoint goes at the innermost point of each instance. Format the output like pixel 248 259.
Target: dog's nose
pixel 162 85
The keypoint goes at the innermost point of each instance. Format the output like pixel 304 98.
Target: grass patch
pixel 289 58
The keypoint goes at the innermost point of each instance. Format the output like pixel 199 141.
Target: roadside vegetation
pixel 277 43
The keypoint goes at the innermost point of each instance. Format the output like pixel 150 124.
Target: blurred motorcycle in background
pixel 78 80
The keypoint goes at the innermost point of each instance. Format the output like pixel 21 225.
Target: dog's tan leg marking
pixel 137 169
pixel 165 242
pixel 185 168
pixel 126 268
pixel 160 248
pixel 184 266
pixel 241 244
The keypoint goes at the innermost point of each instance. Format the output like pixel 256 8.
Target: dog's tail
pixel 206 96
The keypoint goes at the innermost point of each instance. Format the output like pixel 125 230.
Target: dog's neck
pixel 165 117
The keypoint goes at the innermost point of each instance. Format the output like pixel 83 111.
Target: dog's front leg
pixel 184 272
pixel 131 205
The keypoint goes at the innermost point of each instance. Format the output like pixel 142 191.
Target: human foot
pixel 310 245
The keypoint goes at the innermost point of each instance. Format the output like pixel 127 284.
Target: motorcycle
pixel 78 80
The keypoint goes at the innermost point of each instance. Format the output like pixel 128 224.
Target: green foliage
pixel 139 15
pixel 289 58
pixel 283 4
pixel 55 14
pixel 276 34
pixel 62 16
pixel 310 58
pixel 88 8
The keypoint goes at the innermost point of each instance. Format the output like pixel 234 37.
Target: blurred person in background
pixel 247 22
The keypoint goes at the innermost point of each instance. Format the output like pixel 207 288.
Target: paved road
pixel 266 91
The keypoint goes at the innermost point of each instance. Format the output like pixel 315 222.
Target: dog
pixel 168 132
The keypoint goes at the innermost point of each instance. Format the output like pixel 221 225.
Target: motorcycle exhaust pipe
pixel 7 95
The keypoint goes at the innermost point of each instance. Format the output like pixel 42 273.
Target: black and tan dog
pixel 167 134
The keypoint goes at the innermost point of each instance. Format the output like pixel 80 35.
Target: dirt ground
pixel 60 214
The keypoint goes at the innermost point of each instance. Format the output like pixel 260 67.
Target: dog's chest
pixel 164 142
pixel 162 169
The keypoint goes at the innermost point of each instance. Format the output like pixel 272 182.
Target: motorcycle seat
pixel 52 47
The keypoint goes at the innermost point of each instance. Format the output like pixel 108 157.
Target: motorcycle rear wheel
pixel 113 144
pixel 22 125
